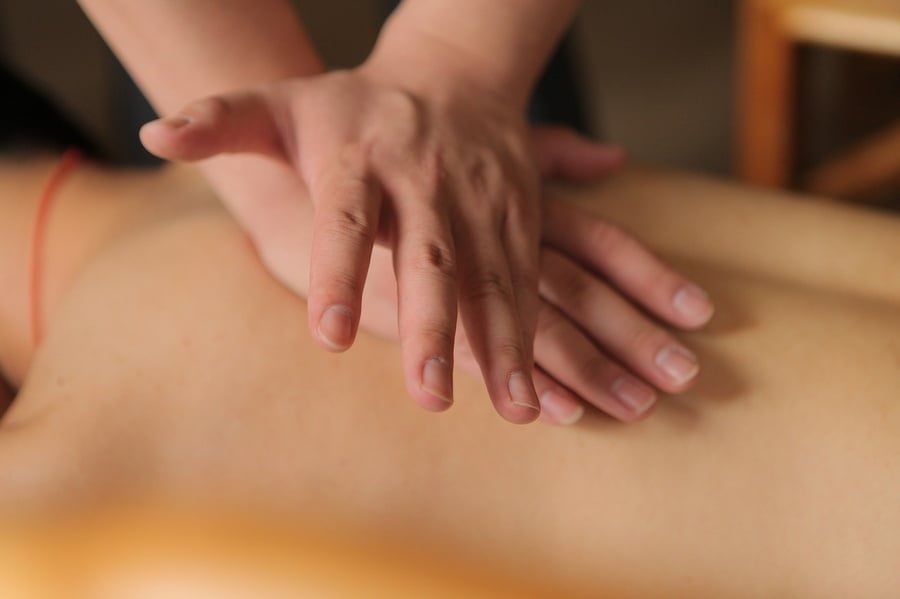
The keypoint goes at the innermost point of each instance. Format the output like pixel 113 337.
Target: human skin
pixel 175 368
pixel 458 90
pixel 599 264
pixel 603 260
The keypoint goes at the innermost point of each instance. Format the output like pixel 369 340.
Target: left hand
pixel 596 342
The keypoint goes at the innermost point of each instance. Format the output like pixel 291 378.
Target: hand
pixel 439 173
pixel 579 360
pixel 591 339
pixel 592 344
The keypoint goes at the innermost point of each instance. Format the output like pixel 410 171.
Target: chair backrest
pixel 863 25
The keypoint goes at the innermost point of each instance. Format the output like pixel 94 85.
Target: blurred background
pixel 727 87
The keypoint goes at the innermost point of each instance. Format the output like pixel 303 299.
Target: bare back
pixel 174 366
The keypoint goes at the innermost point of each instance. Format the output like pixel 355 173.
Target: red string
pixel 67 163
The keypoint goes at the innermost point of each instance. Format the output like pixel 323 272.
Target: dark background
pixel 654 75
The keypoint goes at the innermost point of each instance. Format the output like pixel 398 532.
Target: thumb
pixel 563 153
pixel 243 122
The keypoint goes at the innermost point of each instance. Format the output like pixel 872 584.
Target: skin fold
pixel 175 369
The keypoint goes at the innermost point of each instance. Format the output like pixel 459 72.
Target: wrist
pixel 433 61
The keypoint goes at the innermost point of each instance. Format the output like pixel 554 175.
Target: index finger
pixel 347 207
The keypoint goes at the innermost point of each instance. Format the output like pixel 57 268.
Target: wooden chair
pixel 769 32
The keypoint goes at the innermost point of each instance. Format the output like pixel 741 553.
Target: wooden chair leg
pixel 765 91
pixel 865 169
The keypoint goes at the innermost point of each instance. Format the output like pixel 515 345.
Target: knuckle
pixel 484 285
pixel 349 174
pixel 646 339
pixel 342 284
pixel 610 240
pixel 437 334
pixel 405 113
pixel 591 368
pixel 351 223
pixel 403 104
pixel 483 173
pixel 508 352
pixel 436 257
pixel 417 177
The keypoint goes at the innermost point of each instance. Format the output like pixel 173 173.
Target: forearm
pixel 500 45
pixel 179 51
pixel 175 61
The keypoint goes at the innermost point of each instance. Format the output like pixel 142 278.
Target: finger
pixel 628 264
pixel 379 302
pixel 573 360
pixel 558 404
pixel 242 122
pixel 563 153
pixel 616 325
pixel 424 260
pixel 463 357
pixel 348 204
pixel 522 240
pixel 490 315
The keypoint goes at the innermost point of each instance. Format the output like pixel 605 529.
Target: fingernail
pixel 336 327
pixel 678 363
pixel 175 122
pixel 437 379
pixel 559 409
pixel 521 393
pixel 635 396
pixel 693 303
